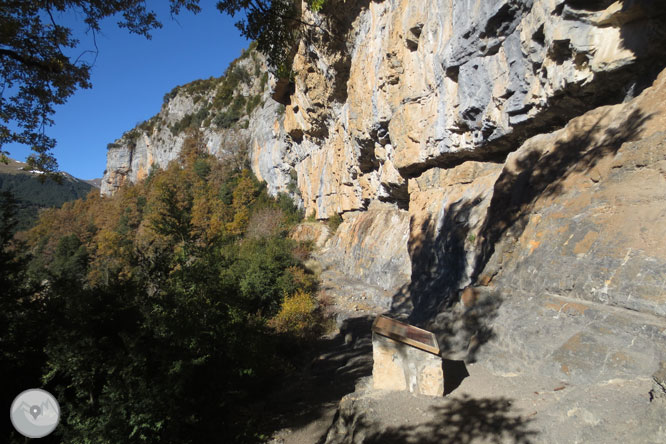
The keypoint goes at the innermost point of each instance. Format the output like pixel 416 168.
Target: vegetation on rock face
pixel 164 305
pixel 38 75
pixel 275 25
pixel 334 222
pixel 223 102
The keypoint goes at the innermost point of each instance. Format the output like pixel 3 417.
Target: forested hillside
pixel 157 314
pixel 33 193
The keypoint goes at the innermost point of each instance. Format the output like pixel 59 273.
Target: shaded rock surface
pixel 372 246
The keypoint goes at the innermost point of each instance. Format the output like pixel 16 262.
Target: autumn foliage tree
pixel 161 303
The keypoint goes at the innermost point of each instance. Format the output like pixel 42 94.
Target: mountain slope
pixel 34 194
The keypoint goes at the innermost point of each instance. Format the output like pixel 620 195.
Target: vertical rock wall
pixel 420 87
pixel 159 140
pixel 508 145
pixel 420 107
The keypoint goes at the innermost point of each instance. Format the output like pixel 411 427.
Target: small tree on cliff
pixel 274 25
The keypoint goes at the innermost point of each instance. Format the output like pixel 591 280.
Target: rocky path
pixel 504 409
pixel 303 409
pixel 331 399
pixel 484 408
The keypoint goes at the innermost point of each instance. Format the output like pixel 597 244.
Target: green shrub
pixel 298 316
pixel 147 126
pixel 334 222
pixel 193 121
pixel 202 168
pixel 199 117
pixel 252 104
pixel 181 125
pixel 132 135
pixel 232 115
pixel 170 95
pixel 224 95
pixel 241 75
pixel 225 119
pixel 202 86
pixel 292 186
pixel 264 81
pixel 316 5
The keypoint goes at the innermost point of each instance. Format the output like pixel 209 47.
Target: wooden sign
pixel 405 333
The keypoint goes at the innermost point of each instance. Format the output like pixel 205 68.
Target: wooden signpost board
pixel 405 333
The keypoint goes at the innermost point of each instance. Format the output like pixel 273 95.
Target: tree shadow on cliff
pixel 643 35
pixel 440 269
pixel 540 174
pixel 325 372
pixel 439 261
pixel 443 261
pixel 460 420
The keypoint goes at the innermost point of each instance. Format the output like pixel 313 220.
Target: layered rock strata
pixel 509 146
pixel 416 88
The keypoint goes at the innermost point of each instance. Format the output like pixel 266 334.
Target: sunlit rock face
pixel 159 140
pixel 372 246
pixel 515 147
pixel 573 246
pixel 419 87
pixel 520 140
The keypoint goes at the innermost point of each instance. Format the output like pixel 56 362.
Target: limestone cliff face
pixel 418 87
pixel 234 113
pixel 515 146
pixel 518 139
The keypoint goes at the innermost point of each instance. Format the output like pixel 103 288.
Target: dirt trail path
pixel 331 399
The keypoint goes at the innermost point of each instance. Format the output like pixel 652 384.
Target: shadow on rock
pixel 439 263
pixel 461 332
pixel 447 255
pixel 441 266
pixel 460 420
pixel 539 174
pixel 456 372
pixel 327 372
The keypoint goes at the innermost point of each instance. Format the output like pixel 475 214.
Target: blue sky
pixel 131 76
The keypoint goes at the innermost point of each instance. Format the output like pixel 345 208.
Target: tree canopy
pixel 274 24
pixel 42 63
pixel 171 307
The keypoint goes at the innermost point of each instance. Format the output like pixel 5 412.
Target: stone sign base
pixel 398 366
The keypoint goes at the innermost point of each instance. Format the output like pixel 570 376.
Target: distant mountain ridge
pixel 97 183
pixel 33 193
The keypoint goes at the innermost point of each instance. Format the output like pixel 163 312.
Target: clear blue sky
pixel 131 76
